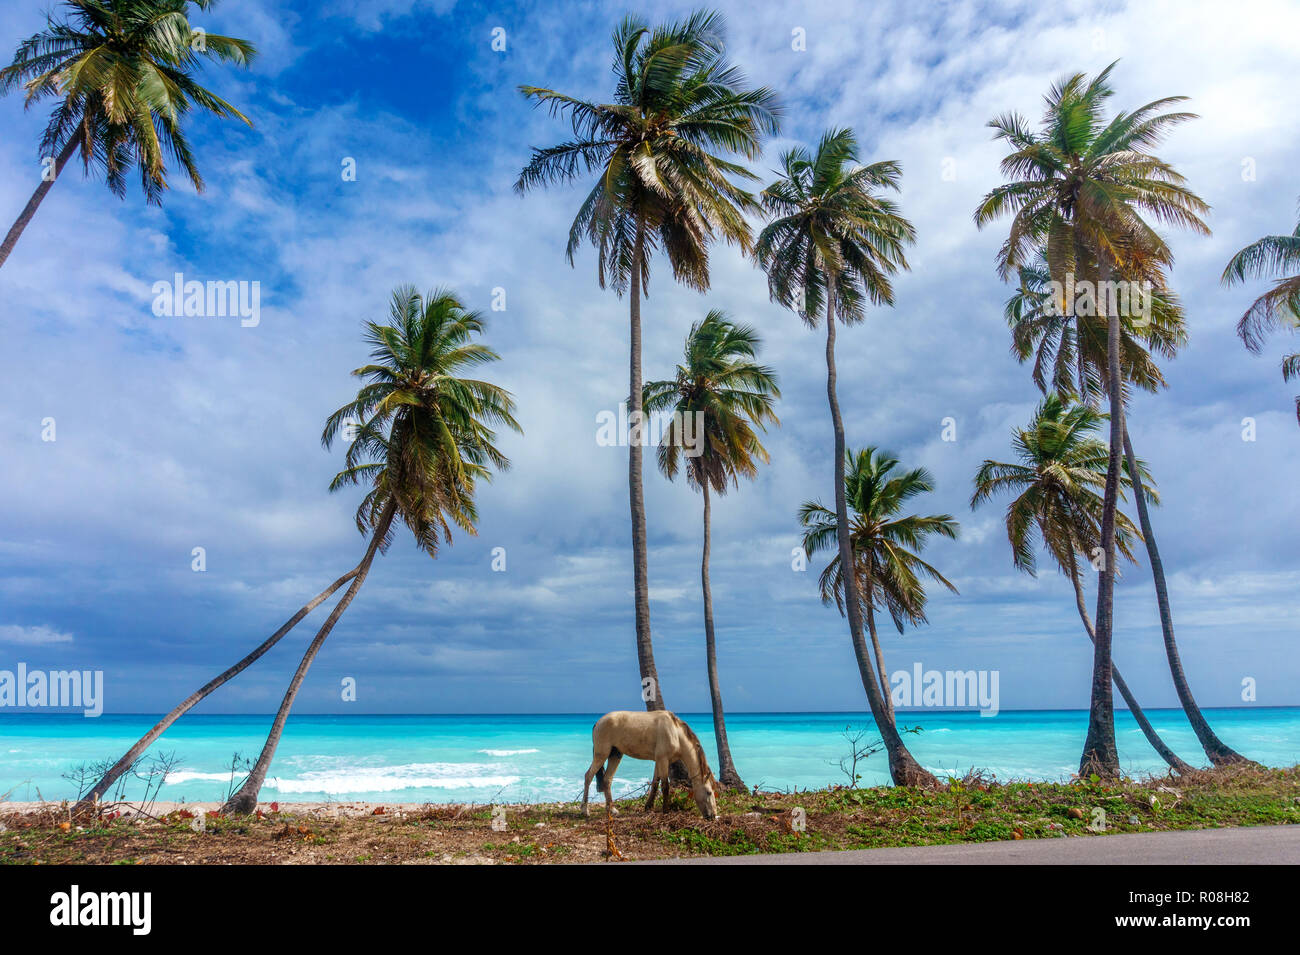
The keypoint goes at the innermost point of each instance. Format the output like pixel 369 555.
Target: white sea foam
pixel 383 779
pixel 373 779
pixel 189 775
pixel 507 752
pixel 339 785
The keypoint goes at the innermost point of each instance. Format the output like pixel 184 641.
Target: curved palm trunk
pixel 1149 731
pixel 29 210
pixel 1100 755
pixel 881 672
pixel 645 654
pixel 1219 752
pixel 147 740
pixel 903 767
pixel 245 800
pixel 727 773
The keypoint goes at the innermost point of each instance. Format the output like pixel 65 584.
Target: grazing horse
pixel 658 736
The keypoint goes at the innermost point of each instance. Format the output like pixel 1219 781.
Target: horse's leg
pixel 614 759
pixel 661 770
pixel 597 761
pixel 654 787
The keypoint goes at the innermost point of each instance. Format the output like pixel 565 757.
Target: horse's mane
pixel 695 741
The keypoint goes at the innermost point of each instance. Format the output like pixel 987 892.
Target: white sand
pixel 331 810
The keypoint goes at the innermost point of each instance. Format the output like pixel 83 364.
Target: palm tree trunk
pixel 134 753
pixel 1149 731
pixel 726 764
pixel 727 773
pixel 1100 755
pixel 881 672
pixel 1219 753
pixel 245 800
pixel 903 767
pixel 29 210
pixel 650 689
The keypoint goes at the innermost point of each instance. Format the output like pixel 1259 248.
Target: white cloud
pixel 37 636
pixel 183 433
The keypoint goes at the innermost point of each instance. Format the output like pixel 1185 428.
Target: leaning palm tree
pixel 661 184
pixel 832 243
pixel 718 398
pixel 1279 307
pixel 1081 190
pixel 122 72
pixel 422 442
pixel 1060 465
pixel 888 569
pixel 1061 341
pixel 132 755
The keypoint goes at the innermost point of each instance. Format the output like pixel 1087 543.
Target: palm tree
pixel 122 71
pixel 1060 465
pixel 1279 307
pixel 888 571
pixel 1079 192
pixel 661 185
pixel 1060 341
pixel 423 443
pixel 144 742
pixel 832 245
pixel 717 399
pixel 1067 349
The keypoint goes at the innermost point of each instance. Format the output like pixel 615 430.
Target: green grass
pixel 985 811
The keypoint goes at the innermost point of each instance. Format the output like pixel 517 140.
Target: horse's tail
pixel 600 771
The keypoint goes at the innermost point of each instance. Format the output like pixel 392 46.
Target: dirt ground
pixel 971 810
pixel 306 834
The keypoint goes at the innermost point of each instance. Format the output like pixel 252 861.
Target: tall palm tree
pixel 122 72
pixel 1081 190
pixel 832 243
pixel 423 443
pixel 1279 307
pixel 1060 465
pixel 889 573
pixel 718 398
pixel 1060 341
pixel 661 184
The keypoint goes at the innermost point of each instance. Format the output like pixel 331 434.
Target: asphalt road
pixel 1258 845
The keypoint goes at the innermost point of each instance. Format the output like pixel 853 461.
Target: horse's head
pixel 705 790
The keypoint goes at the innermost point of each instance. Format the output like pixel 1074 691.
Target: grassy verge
pixel 972 810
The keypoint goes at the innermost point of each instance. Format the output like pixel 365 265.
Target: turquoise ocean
pixel 541 758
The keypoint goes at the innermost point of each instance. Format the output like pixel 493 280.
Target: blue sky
pixel 174 433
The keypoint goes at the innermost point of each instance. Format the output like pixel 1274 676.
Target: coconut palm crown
pixel 721 386
pixel 122 74
pixel 889 568
pixel 657 151
pixel 422 436
pixel 1057 477
pixel 1279 307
